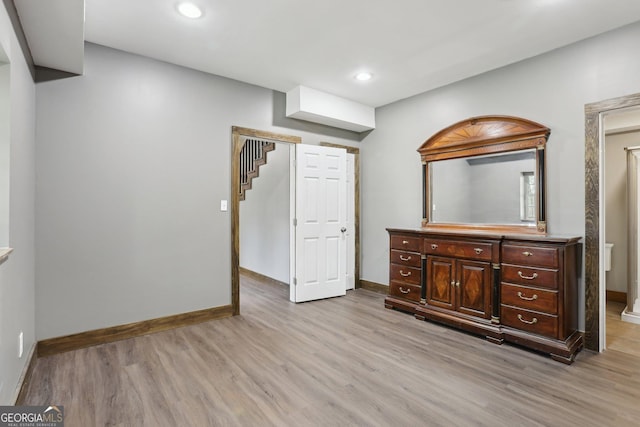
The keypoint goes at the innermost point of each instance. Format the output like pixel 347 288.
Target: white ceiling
pixel 55 32
pixel 411 46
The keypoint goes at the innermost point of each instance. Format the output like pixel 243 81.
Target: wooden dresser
pixel 520 289
pixel 406 270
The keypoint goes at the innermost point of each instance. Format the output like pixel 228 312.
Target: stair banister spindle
pixel 252 155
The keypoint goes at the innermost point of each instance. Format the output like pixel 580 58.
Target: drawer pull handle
pixel 403 274
pixel 528 322
pixel 478 251
pixel 453 283
pixel 458 284
pixel 533 298
pixel 527 253
pixel 434 246
pixel 405 259
pixel 522 276
pixel 405 242
pixel 404 291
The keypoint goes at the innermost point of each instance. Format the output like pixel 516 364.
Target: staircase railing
pixel 252 156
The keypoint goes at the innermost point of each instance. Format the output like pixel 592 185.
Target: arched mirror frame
pixel 487 135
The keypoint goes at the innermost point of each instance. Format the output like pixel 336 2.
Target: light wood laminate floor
pixel 621 336
pixel 338 362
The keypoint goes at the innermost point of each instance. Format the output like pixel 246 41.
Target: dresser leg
pixel 419 317
pixel 495 340
pixel 388 306
pixel 564 359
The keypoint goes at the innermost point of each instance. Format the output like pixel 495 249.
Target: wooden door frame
pixel 237 141
pixel 239 135
pixel 593 146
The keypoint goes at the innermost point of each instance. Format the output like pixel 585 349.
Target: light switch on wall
pixel 223 205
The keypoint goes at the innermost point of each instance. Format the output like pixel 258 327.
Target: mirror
pixel 490 189
pixel 486 173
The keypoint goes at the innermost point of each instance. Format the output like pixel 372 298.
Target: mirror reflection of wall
pixel 4 152
pixel 488 189
pixel 451 191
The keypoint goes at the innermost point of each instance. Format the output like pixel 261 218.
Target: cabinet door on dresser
pixel 460 285
pixel 441 281
pixel 473 288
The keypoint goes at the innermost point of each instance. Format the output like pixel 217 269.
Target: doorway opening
pixel 239 137
pixel 265 212
pixel 594 245
pixel 621 152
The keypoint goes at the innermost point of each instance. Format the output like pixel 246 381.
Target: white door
pixel 320 223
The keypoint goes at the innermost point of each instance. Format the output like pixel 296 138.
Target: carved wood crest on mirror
pixel 486 173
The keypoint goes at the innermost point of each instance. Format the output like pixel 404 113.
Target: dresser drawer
pixel 530 276
pixel 413 244
pixel 411 259
pixel 531 321
pixel 537 256
pixel 406 291
pixel 529 298
pixel 405 274
pixel 473 250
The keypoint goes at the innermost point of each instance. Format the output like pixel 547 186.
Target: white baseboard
pixel 630 317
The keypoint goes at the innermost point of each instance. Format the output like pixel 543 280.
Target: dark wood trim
pixel 238 135
pixel 277 137
pixel 592 213
pixel 356 171
pixel 22 39
pixel 532 229
pixel 423 279
pixel 592 232
pixel 495 300
pixel 424 192
pixel 350 150
pixel 25 378
pixel 62 344
pixel 541 173
pixel 483 135
pixel 237 143
pixel 616 296
pixel 261 277
pixel 373 286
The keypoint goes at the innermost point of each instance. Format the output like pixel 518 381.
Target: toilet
pixel 607 256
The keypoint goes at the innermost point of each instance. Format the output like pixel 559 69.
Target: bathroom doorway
pixel 621 131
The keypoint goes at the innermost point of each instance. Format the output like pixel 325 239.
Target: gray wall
pixel 5 151
pixel 17 272
pixel 264 219
pixel 551 89
pixel 615 180
pixel 133 159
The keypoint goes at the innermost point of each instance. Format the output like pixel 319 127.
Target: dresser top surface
pixel 482 234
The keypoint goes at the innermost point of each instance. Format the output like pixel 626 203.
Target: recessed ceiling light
pixel 363 76
pixel 189 10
